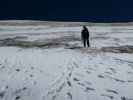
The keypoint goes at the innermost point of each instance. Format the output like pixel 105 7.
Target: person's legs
pixel 84 42
pixel 88 43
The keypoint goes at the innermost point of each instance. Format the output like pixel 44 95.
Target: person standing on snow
pixel 85 36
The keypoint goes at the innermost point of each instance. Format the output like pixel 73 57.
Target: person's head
pixel 84 27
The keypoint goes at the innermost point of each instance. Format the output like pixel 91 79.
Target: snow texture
pixel 65 70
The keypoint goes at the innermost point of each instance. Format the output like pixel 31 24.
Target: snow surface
pixel 61 73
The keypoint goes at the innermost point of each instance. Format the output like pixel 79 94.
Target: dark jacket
pixel 85 34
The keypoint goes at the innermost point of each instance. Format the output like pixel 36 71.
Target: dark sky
pixel 71 10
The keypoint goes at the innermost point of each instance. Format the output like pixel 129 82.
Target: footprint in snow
pixel 88 72
pixel 20 90
pixel 130 81
pixel 88 83
pixel 109 73
pixel 18 70
pixel 60 87
pixel 113 70
pixel 116 79
pixel 69 95
pixel 75 79
pixel 109 96
pixel 101 76
pixel 126 98
pixel 69 83
pixel 81 84
pixel 69 74
pixel 130 73
pixel 2 94
pixel 87 89
pixel 112 91
pixel 17 97
pixel 31 75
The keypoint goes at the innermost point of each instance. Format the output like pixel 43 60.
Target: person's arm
pixel 82 35
pixel 88 32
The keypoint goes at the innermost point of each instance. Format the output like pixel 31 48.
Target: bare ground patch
pixel 56 42
pixel 119 49
pixel 65 42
